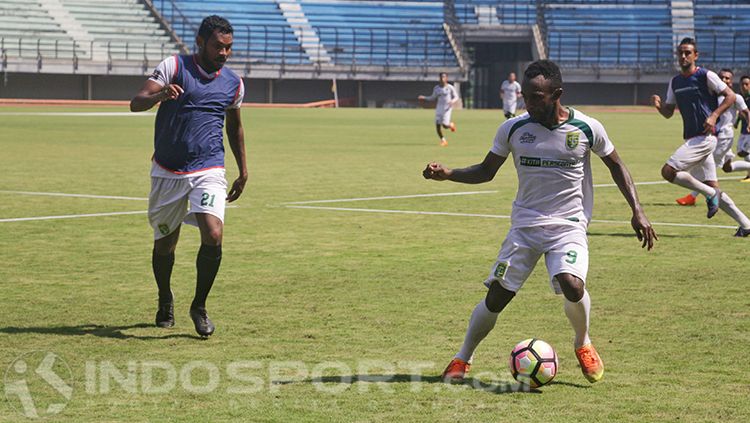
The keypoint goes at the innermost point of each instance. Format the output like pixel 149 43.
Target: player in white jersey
pixel 510 92
pixel 725 136
pixel 446 96
pixel 551 146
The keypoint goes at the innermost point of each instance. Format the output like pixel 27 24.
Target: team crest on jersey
pixel 571 139
pixel 527 138
pixel 164 229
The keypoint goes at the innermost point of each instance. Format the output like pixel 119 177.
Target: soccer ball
pixel 533 362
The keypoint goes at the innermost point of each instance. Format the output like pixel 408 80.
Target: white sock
pixel 481 323
pixel 740 166
pixel 694 194
pixel 578 314
pixel 687 180
pixel 727 205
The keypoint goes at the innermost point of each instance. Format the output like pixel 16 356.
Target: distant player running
pixel 197 93
pixel 551 147
pixel 446 96
pixel 695 90
pixel 510 92
pixel 725 136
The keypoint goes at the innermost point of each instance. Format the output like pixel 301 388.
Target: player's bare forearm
pixel 236 138
pixel 152 93
pixel 666 110
pixel 729 99
pixel 620 174
pixel 476 174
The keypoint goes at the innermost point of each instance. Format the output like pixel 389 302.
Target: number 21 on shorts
pixel 207 199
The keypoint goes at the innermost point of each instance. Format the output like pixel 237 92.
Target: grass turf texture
pixel 313 286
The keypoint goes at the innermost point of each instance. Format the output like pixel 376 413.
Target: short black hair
pixel 727 70
pixel 548 69
pixel 744 77
pixel 440 75
pixel 213 23
pixel 689 40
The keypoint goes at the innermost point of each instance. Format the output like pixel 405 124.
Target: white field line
pixel 390 197
pixel 446 194
pixel 62 194
pixel 728 178
pixel 492 216
pixel 85 114
pixel 70 216
pixel 75 216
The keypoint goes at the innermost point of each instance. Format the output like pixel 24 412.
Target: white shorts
pixel 723 151
pixel 565 249
pixel 743 144
pixel 509 107
pixel 443 118
pixel 696 157
pixel 173 201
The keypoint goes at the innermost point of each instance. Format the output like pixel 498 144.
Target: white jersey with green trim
pixel 553 166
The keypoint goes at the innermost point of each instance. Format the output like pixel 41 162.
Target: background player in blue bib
pixel 197 94
pixel 696 90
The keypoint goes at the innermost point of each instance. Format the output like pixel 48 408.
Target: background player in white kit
pixel 446 96
pixel 510 92
pixel 551 147
pixel 725 136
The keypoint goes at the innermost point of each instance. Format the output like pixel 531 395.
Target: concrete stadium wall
pixel 358 93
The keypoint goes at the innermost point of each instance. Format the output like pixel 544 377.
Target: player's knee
pixel 498 297
pixel 214 236
pixel 668 173
pixel 727 167
pixel 165 246
pixel 571 286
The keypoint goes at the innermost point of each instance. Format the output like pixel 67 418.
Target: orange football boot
pixel 456 370
pixel 591 365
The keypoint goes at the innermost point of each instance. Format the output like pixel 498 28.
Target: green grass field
pixel 328 315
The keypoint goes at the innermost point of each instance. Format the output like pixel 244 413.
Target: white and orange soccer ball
pixel 533 362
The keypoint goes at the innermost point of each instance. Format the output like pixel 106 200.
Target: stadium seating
pixel 377 33
pixel 262 34
pixel 721 32
pixel 349 32
pixel 121 29
pixel 610 33
pixel 508 12
pixel 27 29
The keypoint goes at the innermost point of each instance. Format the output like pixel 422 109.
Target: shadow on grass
pixel 114 332
pixel 499 387
pixel 632 235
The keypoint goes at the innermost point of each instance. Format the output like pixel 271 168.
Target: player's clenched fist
pixel 656 101
pixel 436 171
pixel 171 91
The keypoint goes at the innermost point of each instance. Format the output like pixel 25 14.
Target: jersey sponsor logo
pixel 527 138
pixel 540 162
pixel 500 270
pixel 571 139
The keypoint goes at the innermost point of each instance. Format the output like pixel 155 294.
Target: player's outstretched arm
pixel 476 174
pixel 643 229
pixel 236 136
pixel 152 93
pixel 666 110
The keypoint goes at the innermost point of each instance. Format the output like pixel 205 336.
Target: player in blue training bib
pixel 695 91
pixel 197 95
